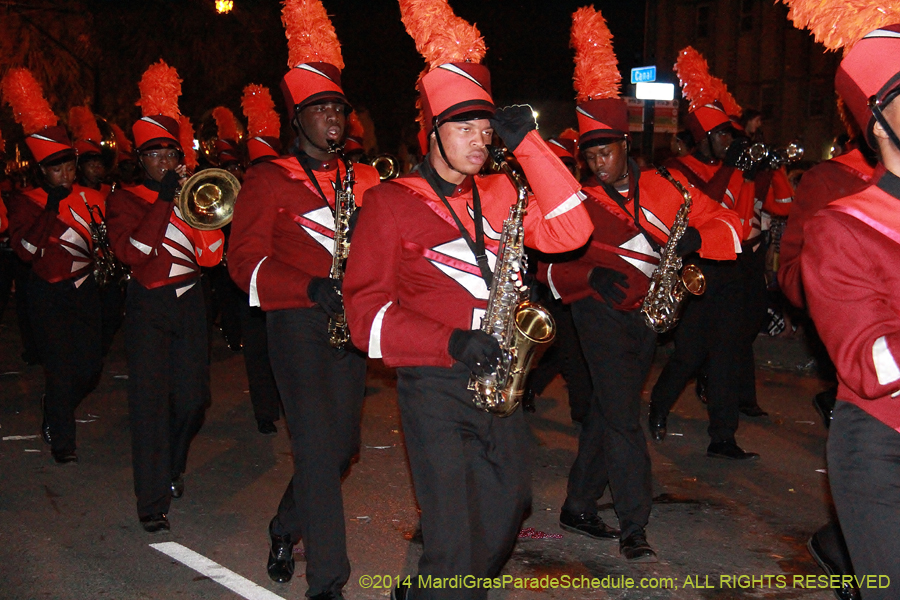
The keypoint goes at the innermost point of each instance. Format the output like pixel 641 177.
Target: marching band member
pixel 165 323
pixel 417 283
pixel 632 212
pixel 49 228
pixel 281 254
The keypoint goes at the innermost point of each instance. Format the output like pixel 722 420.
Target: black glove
pixel 476 349
pixel 55 196
pixel 513 123
pixel 734 151
pixel 168 186
pixel 609 283
pixel 326 293
pixel 689 242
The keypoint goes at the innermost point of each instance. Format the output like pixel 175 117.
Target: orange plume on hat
pixel 697 84
pixel 262 120
pixel 160 88
pixel 226 124
pixel 731 106
pixel 840 24
pixel 2 144
pixel 24 94
pixel 355 127
pixel 186 139
pixel 310 34
pixel 440 36
pixel 596 67
pixel 122 142
pixel 83 125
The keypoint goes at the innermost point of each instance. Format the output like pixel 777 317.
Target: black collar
pixel 890 183
pixel 447 188
pixel 315 164
pixel 152 184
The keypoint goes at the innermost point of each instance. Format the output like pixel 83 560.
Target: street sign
pixel 654 91
pixel 643 74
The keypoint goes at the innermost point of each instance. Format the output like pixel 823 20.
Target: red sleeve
pixel 567 279
pixel 29 226
pixel 379 324
pixel 847 300
pixel 779 196
pixel 254 267
pixel 720 228
pixel 4 221
pixel 136 228
pixel 208 246
pixel 556 220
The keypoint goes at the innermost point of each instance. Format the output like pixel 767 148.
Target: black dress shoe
pixel 847 591
pixel 753 410
pixel 636 549
pixel 729 450
pixel 700 388
pixel 528 401
pixel 65 457
pixel 45 427
pixel 155 523
pixel 401 592
pixel 328 596
pixel 657 423
pixel 281 557
pixel 177 486
pixel 588 524
pixel 824 403
pixel 266 427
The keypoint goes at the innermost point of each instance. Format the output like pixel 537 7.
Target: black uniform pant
pixel 7 275
pixel 612 449
pixel 168 385
pixel 30 351
pixel 322 390
pixel 112 309
pixel 864 472
pixel 471 472
pixel 710 333
pixel 756 300
pixel 66 322
pixel 263 390
pixel 564 357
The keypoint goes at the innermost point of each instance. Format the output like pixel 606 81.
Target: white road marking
pixel 234 582
pixel 16 438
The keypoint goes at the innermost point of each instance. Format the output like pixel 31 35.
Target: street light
pixel 224 6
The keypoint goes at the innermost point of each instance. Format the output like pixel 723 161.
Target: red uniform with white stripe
pixel 282 234
pixel 851 274
pixel 618 244
pixel 58 245
pixel 837 178
pixel 152 238
pixel 412 279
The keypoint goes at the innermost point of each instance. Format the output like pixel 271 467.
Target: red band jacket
pixel 851 273
pixel 842 176
pixel 282 234
pixel 151 237
pixel 618 244
pixel 58 245
pixel 4 222
pixel 412 279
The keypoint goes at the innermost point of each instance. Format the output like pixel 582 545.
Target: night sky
pixel 217 55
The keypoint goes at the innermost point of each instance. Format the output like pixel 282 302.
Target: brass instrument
pixel 109 148
pixel 344 207
pixel 206 200
pixel 520 326
pixel 670 284
pixel 208 135
pixel 107 268
pixel 761 156
pixel 388 166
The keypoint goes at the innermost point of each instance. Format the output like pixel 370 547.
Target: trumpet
pixel 388 166
pixel 761 156
pixel 206 200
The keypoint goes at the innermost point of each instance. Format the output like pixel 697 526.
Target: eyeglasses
pixel 163 154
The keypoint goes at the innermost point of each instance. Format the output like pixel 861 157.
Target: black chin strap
pixel 309 139
pixel 440 145
pixel 875 106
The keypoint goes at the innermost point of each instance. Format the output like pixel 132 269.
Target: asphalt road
pixel 71 532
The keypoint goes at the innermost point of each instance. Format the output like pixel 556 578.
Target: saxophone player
pixel 632 212
pixel 280 253
pixel 416 289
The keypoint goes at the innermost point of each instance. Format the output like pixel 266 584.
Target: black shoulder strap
pixel 634 192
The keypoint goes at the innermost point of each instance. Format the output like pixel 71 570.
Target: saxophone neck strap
pixel 476 245
pixel 312 178
pixel 634 194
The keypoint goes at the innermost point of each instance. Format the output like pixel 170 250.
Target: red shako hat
pixel 160 88
pixel 228 137
pixel 314 56
pixel 123 144
pixel 356 134
pixel 263 124
pixel 602 114
pixel 84 129
pixel 702 90
pixel 565 145
pixel 454 83
pixel 46 139
pixel 869 33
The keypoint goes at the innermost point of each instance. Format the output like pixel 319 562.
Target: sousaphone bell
pixel 206 199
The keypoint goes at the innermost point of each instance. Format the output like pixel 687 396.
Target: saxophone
pixel 344 206
pixel 519 325
pixel 107 268
pixel 670 283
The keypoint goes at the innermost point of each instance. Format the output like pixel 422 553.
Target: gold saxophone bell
pixel 207 198
pixel 693 280
pixel 388 166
